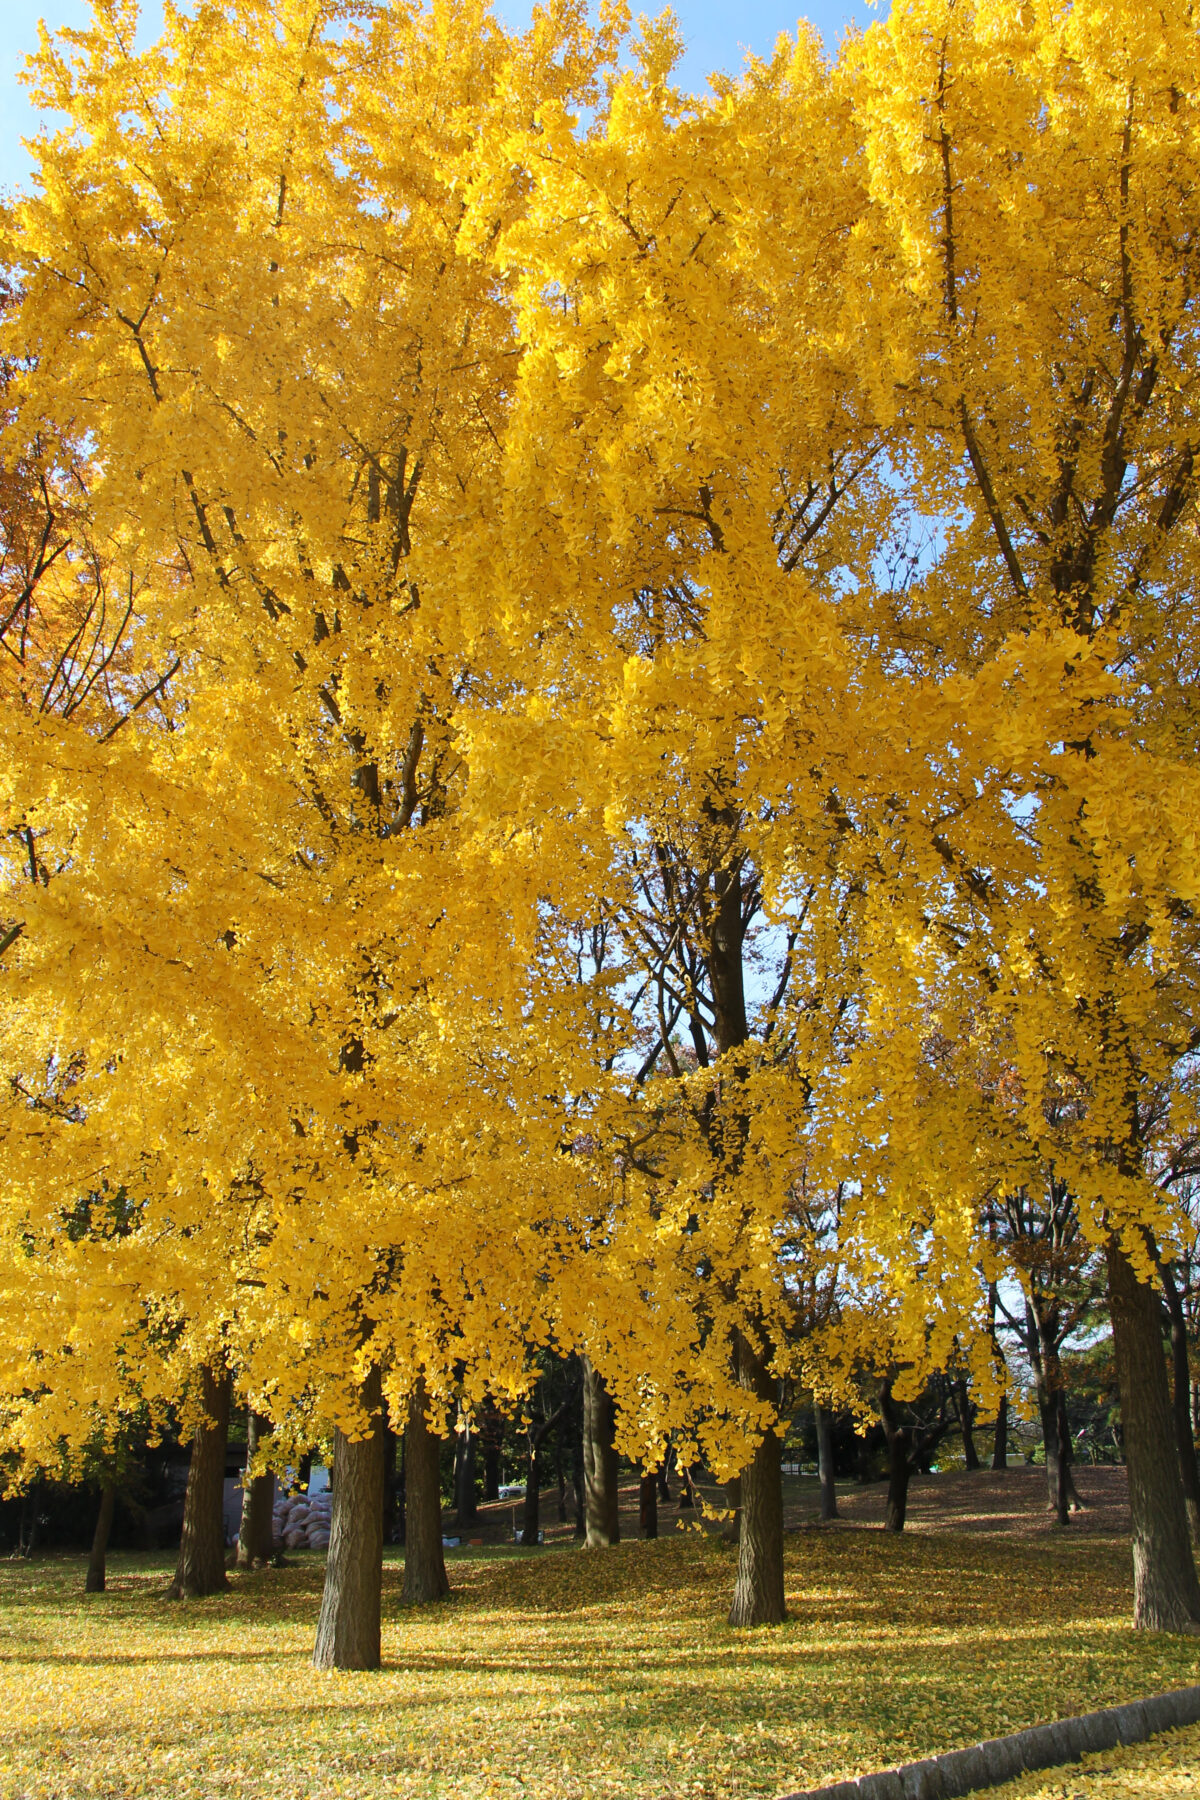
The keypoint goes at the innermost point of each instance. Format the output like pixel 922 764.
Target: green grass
pixel 560 1673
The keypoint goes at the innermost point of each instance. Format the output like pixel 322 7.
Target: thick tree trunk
pixel 601 1496
pixel 1000 1437
pixel 824 1425
pixel 348 1623
pixel 201 1567
pixel 97 1561
pixel 1181 1410
pixel 758 1589
pixel 1166 1592
pixel 466 1511
pixel 424 1564
pixel 966 1409
pixel 258 1502
pixel 648 1503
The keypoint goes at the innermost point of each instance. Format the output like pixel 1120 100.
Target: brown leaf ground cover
pixel 561 1674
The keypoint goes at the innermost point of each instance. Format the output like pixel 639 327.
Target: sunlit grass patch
pixel 561 1673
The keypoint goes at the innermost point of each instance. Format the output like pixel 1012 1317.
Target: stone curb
pixel 961 1772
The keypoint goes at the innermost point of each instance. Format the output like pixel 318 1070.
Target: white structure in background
pixel 301 1521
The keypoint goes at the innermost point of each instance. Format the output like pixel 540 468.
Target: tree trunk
pixel 966 1409
pixel 348 1623
pixel 664 1474
pixel 731 1528
pixel 258 1502
pixel 824 1425
pixel 899 1470
pixel 648 1503
pixel 1056 1468
pixel 601 1497
pixel 1066 1454
pixel 1000 1438
pixel 27 1528
pixel 1166 1592
pixel 424 1564
pixel 579 1479
pixel 758 1590
pixel 466 1511
pixel 560 1477
pixel 391 1485
pixel 201 1567
pixel 94 1584
pixel 532 1519
pixel 1185 1442
pixel 492 1433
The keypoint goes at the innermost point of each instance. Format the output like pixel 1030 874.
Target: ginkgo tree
pixel 457 493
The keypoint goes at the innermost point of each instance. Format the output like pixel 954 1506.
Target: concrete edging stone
pixel 961 1772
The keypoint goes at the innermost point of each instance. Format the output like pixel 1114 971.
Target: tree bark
pixel 579 1479
pixel 391 1486
pixel 600 1472
pixel 1056 1468
pixel 258 1502
pixel 1181 1409
pixel 96 1569
pixel 201 1566
pixel 824 1425
pixel 758 1588
pixel 899 1469
pixel 424 1564
pixel 965 1410
pixel 466 1511
pixel 348 1623
pixel 731 1528
pixel 1000 1437
pixel 648 1503
pixel 531 1521
pixel 1166 1592
pixel 491 1430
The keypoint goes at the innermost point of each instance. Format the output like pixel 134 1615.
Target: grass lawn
pixel 557 1673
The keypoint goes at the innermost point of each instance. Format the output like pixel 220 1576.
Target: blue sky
pixel 717 37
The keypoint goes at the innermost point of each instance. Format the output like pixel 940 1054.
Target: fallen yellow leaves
pixel 567 1675
pixel 1168 1765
